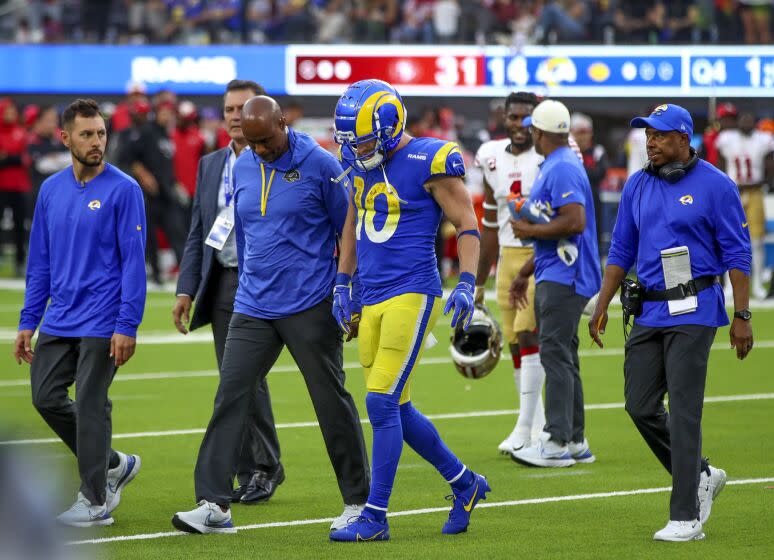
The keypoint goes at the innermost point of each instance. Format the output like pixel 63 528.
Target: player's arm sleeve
pixel 625 238
pixel 131 245
pixel 191 265
pixel 38 287
pixel 731 231
pixel 335 194
pixel 566 183
pixel 447 161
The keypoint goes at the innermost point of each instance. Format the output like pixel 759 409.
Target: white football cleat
pixel 680 531
pixel 350 513
pixel 545 454
pixel 207 518
pixel 83 514
pixel 514 442
pixel 117 478
pixel 709 488
pixel 581 452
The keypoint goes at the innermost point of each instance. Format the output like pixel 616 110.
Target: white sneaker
pixel 581 452
pixel 514 442
pixel 207 518
pixel 680 531
pixel 545 454
pixel 83 514
pixel 709 488
pixel 350 512
pixel 117 478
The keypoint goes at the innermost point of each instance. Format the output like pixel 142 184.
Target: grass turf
pixel 738 436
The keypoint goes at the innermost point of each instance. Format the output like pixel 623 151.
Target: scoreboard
pixel 438 70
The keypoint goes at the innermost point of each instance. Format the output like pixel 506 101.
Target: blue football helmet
pixel 368 110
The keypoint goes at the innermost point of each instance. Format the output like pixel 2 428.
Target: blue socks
pixel 392 424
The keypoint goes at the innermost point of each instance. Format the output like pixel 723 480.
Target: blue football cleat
pixel 362 529
pixel 464 502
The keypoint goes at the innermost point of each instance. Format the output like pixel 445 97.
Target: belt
pixel 682 291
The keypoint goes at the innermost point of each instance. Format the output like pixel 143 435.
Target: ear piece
pixel 673 172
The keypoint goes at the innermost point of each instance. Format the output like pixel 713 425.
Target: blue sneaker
pixel 463 504
pixel 362 529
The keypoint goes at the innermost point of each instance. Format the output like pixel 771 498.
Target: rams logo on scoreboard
pixel 95 205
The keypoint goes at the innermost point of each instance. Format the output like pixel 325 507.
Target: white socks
pixel 531 414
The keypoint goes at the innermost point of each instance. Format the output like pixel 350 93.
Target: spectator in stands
pixel 416 24
pixel 333 20
pixel 224 18
pixel 756 18
pixel 186 22
pixel 601 27
pixel 595 161
pixel 562 21
pixel 446 19
pixel 189 146
pixel 47 153
pixel 294 22
pixel 135 93
pixel 373 20
pixel 637 22
pixel 14 177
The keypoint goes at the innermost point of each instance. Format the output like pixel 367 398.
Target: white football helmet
pixel 476 351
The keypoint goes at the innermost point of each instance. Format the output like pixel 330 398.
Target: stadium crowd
pixel 379 21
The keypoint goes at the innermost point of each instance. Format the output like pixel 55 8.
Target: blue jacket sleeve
pixel 191 265
pixel 625 239
pixel 731 231
pixel 335 194
pixel 38 288
pixel 239 236
pixel 131 229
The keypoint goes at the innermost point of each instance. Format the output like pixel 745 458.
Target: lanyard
pixel 228 188
pixel 265 188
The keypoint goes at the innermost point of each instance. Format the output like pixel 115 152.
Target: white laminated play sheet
pixel 676 263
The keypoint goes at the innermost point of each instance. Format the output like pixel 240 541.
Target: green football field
pixel 163 398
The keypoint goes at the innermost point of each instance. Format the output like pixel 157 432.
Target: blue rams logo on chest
pixel 95 205
pixel 686 199
pixel 292 176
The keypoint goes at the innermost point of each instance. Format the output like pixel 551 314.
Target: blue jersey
pixel 397 221
pixel 702 211
pixel 561 181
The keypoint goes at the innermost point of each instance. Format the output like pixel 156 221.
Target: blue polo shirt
pixel 702 211
pixel 286 256
pixel 561 181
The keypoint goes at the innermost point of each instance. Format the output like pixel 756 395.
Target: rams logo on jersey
pixel 685 200
pixel 95 205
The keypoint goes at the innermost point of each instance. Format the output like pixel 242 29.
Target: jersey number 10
pixel 367 212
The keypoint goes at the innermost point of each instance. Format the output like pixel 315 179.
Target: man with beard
pixel 87 254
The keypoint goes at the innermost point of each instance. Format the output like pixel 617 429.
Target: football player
pixel 746 156
pixel 400 186
pixel 509 167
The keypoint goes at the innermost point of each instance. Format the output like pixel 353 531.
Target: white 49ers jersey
pixel 506 174
pixel 745 154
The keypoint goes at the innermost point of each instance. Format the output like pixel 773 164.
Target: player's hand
pixel 522 228
pixel 342 303
pixel 597 324
pixel 517 293
pixel 741 337
pixel 354 326
pixel 22 348
pixel 122 348
pixel 181 312
pixel 479 295
pixel 461 300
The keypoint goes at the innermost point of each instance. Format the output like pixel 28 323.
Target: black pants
pixel 557 311
pixel 165 213
pixel 670 360
pixel 260 447
pixel 252 347
pixel 17 202
pixel 84 425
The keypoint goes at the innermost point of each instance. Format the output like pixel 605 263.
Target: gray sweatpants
pixel 85 424
pixel 558 311
pixel 670 360
pixel 252 347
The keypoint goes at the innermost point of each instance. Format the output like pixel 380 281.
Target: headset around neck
pixel 674 171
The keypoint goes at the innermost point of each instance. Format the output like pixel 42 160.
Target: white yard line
pixel 443 416
pixel 292 368
pixel 481 505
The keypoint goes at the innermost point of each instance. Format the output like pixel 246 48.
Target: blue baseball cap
pixel 526 121
pixel 666 117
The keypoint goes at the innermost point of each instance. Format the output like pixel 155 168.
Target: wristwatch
pixel 743 314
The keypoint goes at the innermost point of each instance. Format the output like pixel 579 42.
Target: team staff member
pixel 210 276
pixel 87 254
pixel 677 200
pixel 510 167
pixel 567 274
pixel 288 210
